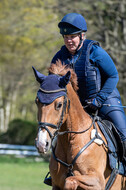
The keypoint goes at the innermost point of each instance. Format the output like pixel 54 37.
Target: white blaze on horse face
pixel 41 142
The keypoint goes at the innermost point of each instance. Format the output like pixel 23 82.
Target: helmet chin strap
pixel 81 40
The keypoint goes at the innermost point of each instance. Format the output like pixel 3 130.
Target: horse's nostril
pixel 47 144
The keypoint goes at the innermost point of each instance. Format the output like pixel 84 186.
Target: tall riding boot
pixel 124 151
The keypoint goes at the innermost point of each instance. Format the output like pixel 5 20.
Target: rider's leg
pixel 119 120
pixel 117 116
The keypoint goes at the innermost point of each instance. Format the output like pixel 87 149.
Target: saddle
pixel 115 146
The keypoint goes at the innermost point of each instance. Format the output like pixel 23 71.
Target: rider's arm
pixel 109 74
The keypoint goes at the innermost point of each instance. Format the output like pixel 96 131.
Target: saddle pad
pixel 113 153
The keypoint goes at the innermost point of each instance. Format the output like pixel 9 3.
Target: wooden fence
pixel 22 150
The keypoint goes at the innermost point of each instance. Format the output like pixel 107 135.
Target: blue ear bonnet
pixel 51 86
pixel 51 83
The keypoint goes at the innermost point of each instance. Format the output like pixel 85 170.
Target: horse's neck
pixel 78 118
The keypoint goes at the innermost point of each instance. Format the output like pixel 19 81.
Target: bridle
pixel 45 125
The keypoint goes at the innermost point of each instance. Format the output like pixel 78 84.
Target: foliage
pixel 20 132
pixel 27 31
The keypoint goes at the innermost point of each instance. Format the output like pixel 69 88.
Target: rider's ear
pixel 39 76
pixel 65 79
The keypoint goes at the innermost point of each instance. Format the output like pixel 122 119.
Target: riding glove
pixel 94 104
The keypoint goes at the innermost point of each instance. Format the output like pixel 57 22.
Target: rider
pixel 96 72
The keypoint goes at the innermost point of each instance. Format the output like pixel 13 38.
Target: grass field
pixel 22 173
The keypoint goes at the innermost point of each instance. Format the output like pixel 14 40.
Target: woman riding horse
pixel 96 72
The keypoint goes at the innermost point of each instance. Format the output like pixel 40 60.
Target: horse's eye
pixel 58 105
pixel 36 100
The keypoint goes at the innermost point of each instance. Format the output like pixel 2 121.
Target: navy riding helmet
pixel 72 23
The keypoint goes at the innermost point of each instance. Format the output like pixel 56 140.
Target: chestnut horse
pixel 78 160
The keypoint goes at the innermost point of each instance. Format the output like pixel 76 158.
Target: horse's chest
pixel 73 149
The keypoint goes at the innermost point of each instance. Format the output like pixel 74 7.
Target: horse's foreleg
pixel 71 184
pixel 86 182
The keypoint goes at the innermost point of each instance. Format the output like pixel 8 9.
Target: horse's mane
pixel 61 69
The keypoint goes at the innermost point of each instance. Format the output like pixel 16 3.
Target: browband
pixel 52 91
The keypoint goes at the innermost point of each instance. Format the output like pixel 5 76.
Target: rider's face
pixel 72 41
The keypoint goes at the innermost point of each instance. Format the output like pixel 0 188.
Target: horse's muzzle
pixel 42 147
pixel 42 142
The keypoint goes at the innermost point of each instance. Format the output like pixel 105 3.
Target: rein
pixel 76 132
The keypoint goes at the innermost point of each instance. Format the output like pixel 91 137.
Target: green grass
pixel 22 173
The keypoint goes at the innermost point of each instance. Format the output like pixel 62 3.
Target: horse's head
pixel 51 101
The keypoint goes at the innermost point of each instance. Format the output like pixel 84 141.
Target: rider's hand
pixel 94 104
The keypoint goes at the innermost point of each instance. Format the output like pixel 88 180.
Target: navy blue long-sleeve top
pixel 109 73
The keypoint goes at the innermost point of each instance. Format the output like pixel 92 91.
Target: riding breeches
pixel 115 113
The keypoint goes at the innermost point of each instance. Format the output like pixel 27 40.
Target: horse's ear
pixel 39 76
pixel 65 79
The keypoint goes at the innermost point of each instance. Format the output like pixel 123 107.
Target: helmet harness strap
pixel 81 40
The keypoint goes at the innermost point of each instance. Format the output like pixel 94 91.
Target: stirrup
pixel 48 180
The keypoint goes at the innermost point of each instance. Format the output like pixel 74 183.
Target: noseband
pixel 45 125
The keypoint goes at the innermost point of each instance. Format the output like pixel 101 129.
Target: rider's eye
pixel 58 105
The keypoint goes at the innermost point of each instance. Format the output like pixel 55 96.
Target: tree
pixel 27 31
